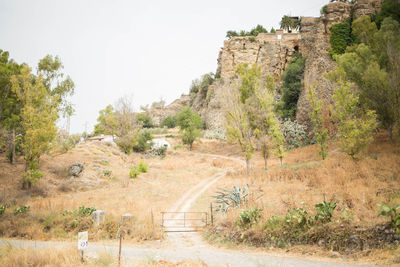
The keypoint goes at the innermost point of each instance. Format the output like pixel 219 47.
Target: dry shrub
pixel 218 163
pixel 16 257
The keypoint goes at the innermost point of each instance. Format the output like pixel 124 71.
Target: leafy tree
pixel 237 125
pixel 201 85
pixel 190 124
pixel 169 122
pixel 320 133
pixel 292 86
pixel 38 117
pixel 265 124
pixel 288 23
pixel 356 125
pixel 56 83
pixel 143 142
pixel 145 120
pixel 374 67
pixel 106 121
pixel 390 8
pixel 10 105
pixel 272 30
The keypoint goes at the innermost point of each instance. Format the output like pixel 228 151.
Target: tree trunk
pixel 13 146
pixel 281 161
pixel 248 166
pixel 390 132
pixel 265 162
pixel 190 146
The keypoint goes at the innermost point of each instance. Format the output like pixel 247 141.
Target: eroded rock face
pixel 367 7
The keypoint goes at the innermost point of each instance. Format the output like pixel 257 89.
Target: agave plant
pixel 236 197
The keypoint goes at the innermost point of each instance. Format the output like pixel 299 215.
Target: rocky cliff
pixel 272 52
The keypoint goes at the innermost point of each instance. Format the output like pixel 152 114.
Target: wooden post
pixel 211 214
pixel 120 248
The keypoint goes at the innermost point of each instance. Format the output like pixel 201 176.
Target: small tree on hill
pixel 190 124
pixel 38 115
pixel 356 125
pixel 320 133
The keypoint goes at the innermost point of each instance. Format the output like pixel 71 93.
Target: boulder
pixel 75 169
pixel 98 217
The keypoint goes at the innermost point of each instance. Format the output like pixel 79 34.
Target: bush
pixel 159 151
pixel 226 198
pixel 137 170
pixel 218 134
pixel 324 10
pixel 253 32
pixel 324 211
pixel 294 133
pixel 142 167
pixel 21 209
pixel 169 122
pixel 145 119
pixel 2 209
pixel 127 142
pixel 134 172
pixel 391 213
pixel 249 217
pixel 83 211
pixel 341 37
pixel 142 143
pixel 291 87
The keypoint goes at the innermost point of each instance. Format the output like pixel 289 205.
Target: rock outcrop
pixel 159 114
pixel 272 52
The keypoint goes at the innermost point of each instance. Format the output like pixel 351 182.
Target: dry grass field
pixel 357 186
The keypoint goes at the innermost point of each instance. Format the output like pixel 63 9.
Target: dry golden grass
pixel 356 185
pixel 145 197
pixel 39 257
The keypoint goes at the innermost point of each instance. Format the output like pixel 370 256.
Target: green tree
pixel 267 130
pixel 292 86
pixel 356 125
pixel 237 125
pixel 288 23
pixel 58 85
pixel 374 66
pixel 106 121
pixel 169 122
pixel 320 133
pixel 38 117
pixel 190 124
pixel 10 106
pixel 390 8
pixel 145 120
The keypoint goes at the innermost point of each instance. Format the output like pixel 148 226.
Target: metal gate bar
pixel 187 226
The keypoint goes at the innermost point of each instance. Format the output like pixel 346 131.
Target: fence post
pixel 120 248
pixel 211 214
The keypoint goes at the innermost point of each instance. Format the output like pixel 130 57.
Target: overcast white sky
pixel 147 49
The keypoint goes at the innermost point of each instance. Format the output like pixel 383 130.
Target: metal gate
pixel 183 221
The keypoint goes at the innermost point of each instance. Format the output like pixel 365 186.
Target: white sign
pixel 82 240
pixel 279 37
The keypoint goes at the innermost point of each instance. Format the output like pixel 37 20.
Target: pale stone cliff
pixel 273 52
